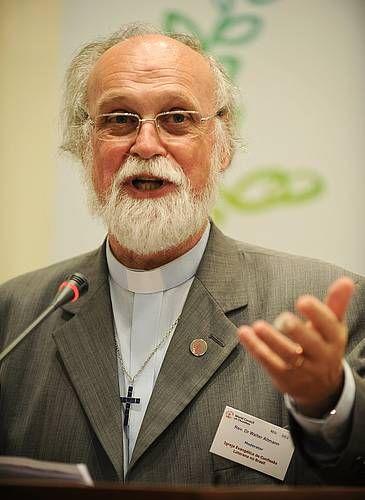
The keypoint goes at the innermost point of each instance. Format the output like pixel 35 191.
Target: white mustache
pixel 156 167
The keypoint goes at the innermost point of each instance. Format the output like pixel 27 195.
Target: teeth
pixel 147 184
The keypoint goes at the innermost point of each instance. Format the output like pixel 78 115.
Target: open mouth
pixel 147 183
pixel 148 186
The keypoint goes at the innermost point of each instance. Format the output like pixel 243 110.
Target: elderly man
pixel 133 379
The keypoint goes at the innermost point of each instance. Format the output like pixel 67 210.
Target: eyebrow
pixel 114 97
pixel 110 97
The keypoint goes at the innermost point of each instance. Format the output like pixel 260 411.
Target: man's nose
pixel 148 143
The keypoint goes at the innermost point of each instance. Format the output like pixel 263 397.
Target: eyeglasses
pixel 169 124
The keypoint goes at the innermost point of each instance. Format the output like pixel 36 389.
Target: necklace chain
pixel 131 378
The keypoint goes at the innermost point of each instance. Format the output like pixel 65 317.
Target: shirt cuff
pixel 333 427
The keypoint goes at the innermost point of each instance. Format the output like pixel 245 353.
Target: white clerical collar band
pixel 163 278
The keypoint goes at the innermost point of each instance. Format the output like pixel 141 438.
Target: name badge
pixel 252 442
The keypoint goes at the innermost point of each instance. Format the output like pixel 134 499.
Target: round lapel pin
pixel 198 347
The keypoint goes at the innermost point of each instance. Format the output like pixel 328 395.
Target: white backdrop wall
pixel 297 187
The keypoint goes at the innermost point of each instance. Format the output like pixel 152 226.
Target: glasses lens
pixel 116 126
pixel 175 123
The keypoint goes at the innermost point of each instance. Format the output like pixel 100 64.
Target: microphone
pixel 71 290
pixel 68 291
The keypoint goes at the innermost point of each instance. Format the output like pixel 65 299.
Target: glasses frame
pixel 152 119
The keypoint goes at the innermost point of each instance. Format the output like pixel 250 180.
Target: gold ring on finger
pixel 296 363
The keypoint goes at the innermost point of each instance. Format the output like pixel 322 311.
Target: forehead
pixel 151 71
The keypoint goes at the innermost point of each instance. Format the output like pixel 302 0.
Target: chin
pixel 153 226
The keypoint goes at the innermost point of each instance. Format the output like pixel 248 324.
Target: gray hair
pixel 75 118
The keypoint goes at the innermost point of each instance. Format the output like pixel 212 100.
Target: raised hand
pixel 304 356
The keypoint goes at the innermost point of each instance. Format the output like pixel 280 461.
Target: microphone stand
pixel 35 323
pixel 68 291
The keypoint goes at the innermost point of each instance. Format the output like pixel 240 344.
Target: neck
pixel 150 261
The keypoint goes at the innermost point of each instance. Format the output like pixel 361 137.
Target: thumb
pixel 339 295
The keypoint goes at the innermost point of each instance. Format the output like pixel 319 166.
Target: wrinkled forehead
pixel 153 64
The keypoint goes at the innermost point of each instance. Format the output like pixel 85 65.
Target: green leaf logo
pixel 175 22
pixel 237 30
pixel 267 188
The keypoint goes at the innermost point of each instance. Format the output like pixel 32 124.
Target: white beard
pixel 150 225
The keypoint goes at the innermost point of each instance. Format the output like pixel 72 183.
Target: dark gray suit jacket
pixel 59 388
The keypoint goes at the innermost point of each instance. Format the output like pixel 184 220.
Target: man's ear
pixel 226 158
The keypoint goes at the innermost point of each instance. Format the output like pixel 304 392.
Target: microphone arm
pixel 69 291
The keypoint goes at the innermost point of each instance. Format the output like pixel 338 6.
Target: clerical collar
pixel 161 278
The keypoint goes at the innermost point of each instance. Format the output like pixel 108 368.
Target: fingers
pixel 327 318
pixel 312 348
pixel 291 339
pixel 275 351
pixel 283 346
pixel 260 350
pixel 302 333
pixel 311 373
pixel 339 295
pixel 320 317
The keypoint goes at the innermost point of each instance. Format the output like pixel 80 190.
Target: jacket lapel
pixel 86 345
pixel 217 289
